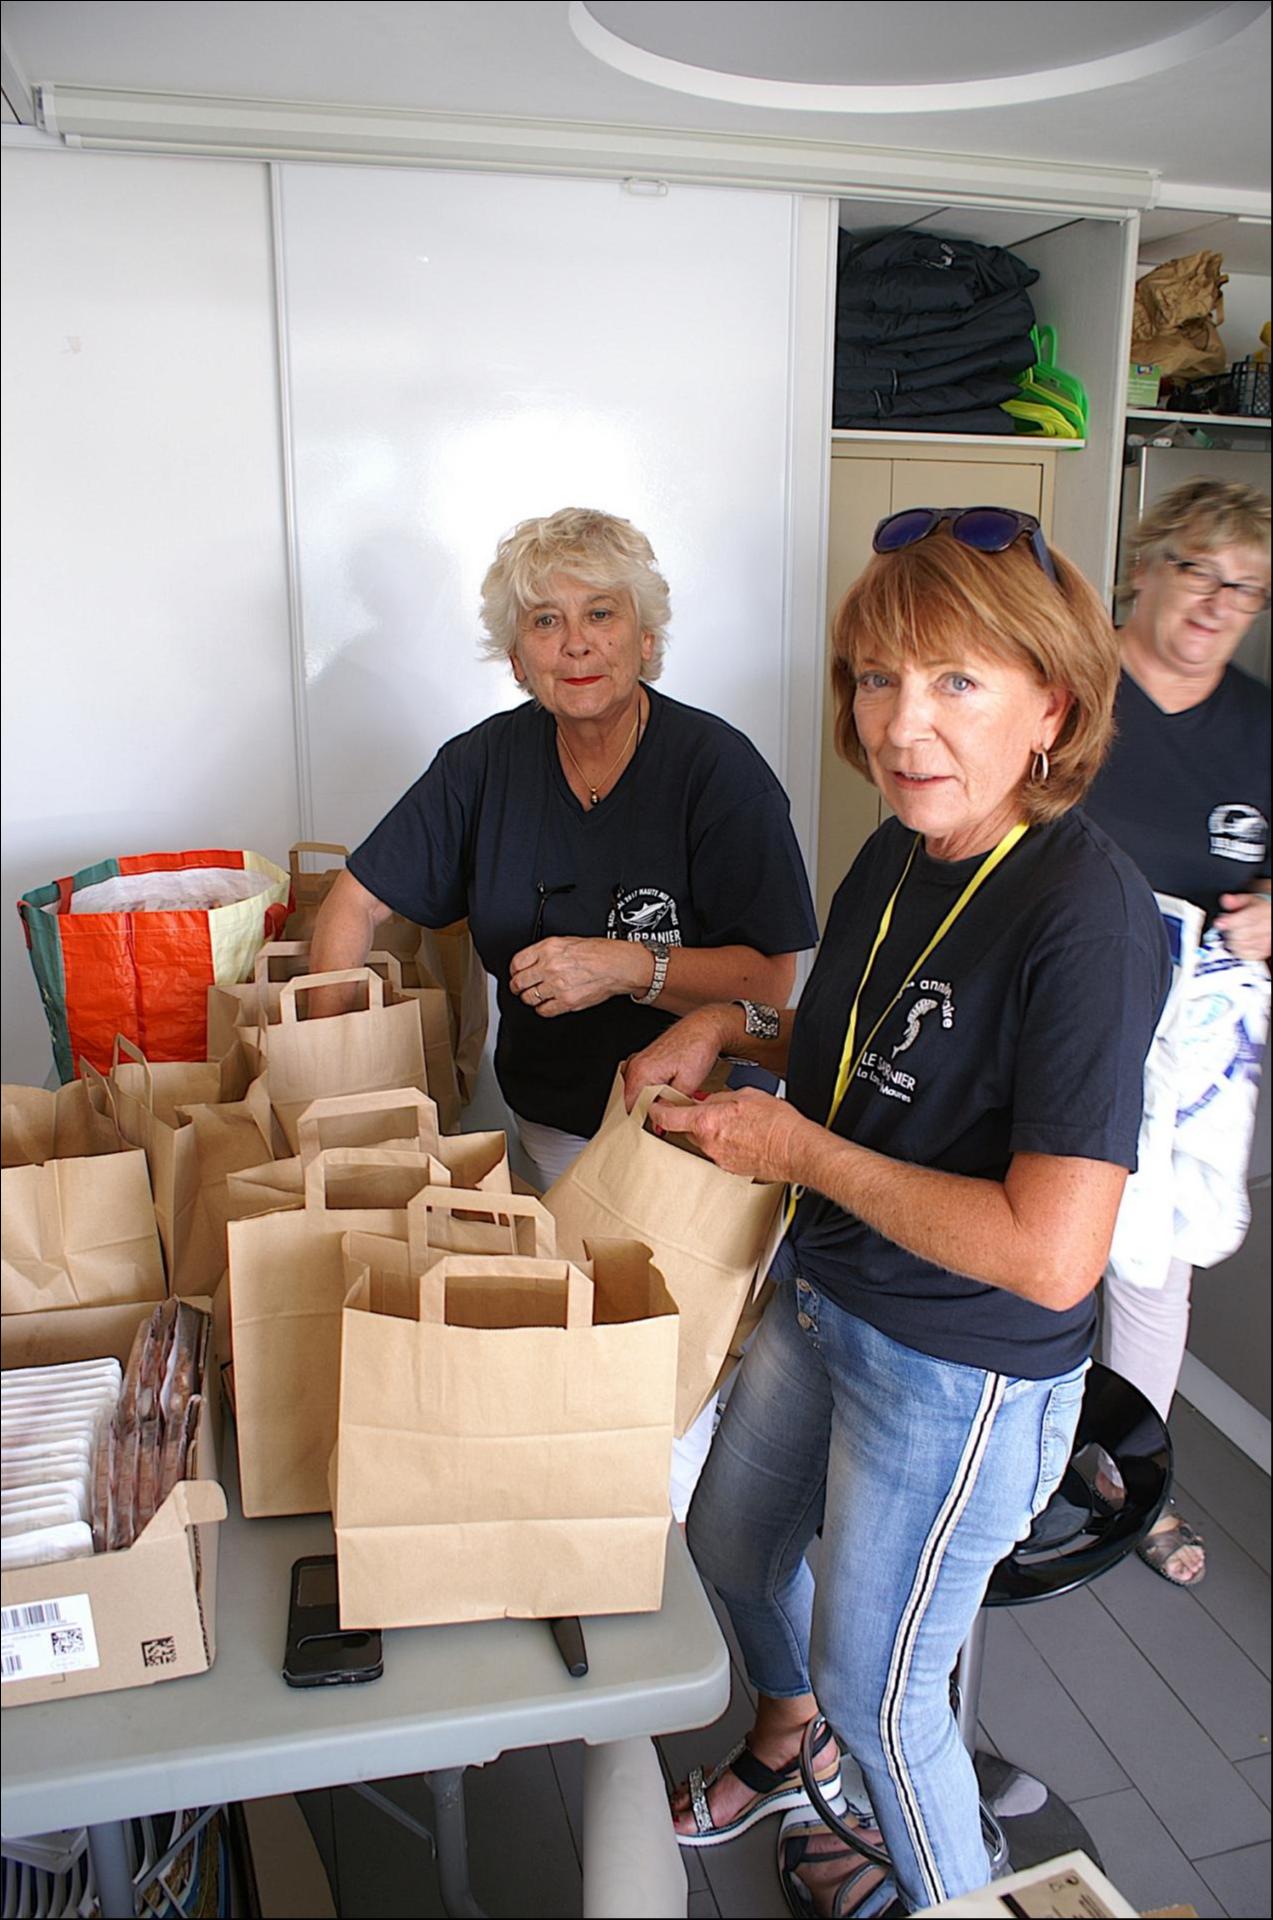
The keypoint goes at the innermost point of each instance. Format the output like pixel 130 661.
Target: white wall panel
pixel 147 667
pixel 467 350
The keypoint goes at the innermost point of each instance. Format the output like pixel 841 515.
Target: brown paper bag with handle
pixel 237 1015
pixel 287 1285
pixel 411 980
pixel 402 1118
pixel 706 1230
pixel 446 1219
pixel 69 1122
pixel 446 953
pixel 78 1230
pixel 152 1106
pixel 367 1051
pixel 504 1446
pixel 309 890
pixel 451 957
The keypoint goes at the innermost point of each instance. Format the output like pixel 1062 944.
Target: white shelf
pixel 955 439
pixel 1171 418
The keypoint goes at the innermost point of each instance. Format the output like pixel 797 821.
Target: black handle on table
pixel 569 1637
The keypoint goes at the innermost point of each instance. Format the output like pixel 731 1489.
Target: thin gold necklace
pixel 594 789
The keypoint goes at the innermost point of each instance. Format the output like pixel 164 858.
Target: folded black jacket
pixel 912 272
pixel 956 396
pixel 899 372
pixel 998 317
pixel 975 420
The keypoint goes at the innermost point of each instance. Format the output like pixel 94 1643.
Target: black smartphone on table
pixel 319 1653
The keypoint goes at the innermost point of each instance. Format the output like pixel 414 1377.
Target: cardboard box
pixel 123 1619
pixel 1143 384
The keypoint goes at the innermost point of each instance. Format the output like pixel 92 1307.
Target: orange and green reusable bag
pixel 131 945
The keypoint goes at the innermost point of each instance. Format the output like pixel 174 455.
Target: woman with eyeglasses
pixel 963 1100
pixel 620 857
pixel 1186 793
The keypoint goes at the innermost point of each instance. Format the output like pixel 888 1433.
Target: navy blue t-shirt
pixel 1025 1031
pixel 692 847
pixel 1187 794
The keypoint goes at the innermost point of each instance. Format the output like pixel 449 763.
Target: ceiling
pixel 1180 90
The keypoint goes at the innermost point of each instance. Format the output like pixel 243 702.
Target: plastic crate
pixel 1250 387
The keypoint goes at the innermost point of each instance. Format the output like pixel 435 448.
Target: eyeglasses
pixel 984 529
pixel 1202 582
pixel 545 893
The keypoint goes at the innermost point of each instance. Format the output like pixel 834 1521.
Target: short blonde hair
pixel 938 599
pixel 582 543
pixel 1200 517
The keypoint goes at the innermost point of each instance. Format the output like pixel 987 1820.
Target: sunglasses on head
pixel 984 529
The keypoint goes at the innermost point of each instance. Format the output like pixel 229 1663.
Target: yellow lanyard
pixel 849 1061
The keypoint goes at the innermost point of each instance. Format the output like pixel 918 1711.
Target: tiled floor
pixel 1144 1706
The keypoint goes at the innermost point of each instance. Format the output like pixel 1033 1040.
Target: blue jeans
pixel 923 1474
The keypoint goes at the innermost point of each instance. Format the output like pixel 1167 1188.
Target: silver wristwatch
pixel 759 1022
pixel 659 955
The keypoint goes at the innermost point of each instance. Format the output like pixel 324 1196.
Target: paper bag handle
pixel 124 1045
pixel 275 950
pixel 316 1171
pixel 617 1113
pixel 338 1105
pixel 505 1206
pixel 101 1095
pixel 313 846
pixel 577 1286
pixel 392 970
pixel 307 981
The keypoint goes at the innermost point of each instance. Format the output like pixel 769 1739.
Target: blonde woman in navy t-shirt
pixel 1185 792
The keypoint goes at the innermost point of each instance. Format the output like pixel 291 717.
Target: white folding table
pixel 449 1698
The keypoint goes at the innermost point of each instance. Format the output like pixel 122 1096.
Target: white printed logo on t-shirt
pixel 1238 832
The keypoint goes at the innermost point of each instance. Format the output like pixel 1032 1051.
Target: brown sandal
pixel 1159 1549
pixel 867 1887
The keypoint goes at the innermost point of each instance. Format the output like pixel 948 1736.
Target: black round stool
pixel 1112 1491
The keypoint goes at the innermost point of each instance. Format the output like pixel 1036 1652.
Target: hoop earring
pixel 1040 768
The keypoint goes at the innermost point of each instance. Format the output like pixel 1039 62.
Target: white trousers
pixel 551 1152
pixel 1144 1330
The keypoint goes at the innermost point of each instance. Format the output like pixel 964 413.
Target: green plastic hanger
pixel 1054 379
pixel 1031 388
pixel 1044 422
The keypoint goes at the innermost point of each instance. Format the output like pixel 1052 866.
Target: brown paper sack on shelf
pixel 504 1447
pixel 367 1051
pixel 706 1230
pixel 79 1229
pixel 287 1285
pixel 1177 311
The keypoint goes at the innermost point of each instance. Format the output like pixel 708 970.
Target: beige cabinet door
pixel 866 483
pixel 968 483
pixel 848 805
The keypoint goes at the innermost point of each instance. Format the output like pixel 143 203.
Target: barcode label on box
pixel 47 1637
